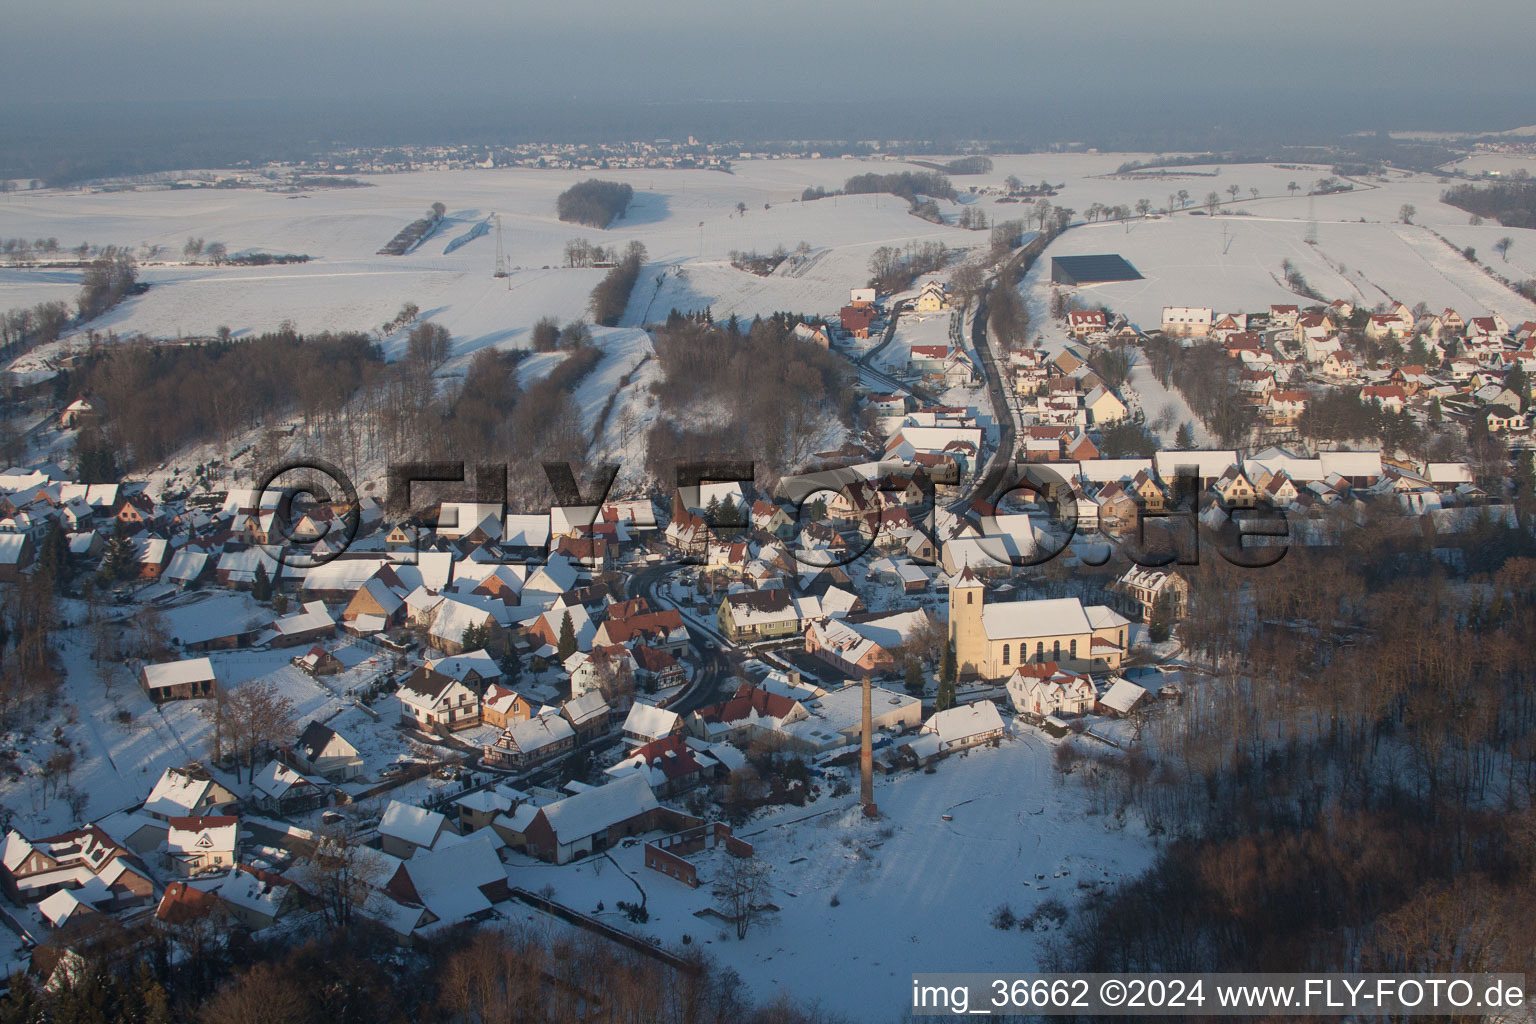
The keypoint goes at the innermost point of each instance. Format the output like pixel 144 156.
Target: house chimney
pixel 867 759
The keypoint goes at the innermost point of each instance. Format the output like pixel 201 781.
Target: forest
pixel 755 394
pixel 159 398
pixel 594 203
pixel 1354 786
pixel 1511 203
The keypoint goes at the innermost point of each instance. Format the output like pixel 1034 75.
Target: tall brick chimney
pixel 867 757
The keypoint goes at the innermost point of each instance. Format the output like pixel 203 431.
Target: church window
pixel 1005 654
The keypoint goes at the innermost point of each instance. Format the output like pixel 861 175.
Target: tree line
pixel 611 295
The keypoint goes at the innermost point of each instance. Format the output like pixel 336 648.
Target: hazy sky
pixel 786 50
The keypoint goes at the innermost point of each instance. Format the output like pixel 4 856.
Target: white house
pixel 958 728
pixel 201 844
pixel 1046 690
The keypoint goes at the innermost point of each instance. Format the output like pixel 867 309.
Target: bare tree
pixel 1502 247
pixel 742 891
pixel 266 994
pixel 1405 213
pixel 343 874
pixel 1212 200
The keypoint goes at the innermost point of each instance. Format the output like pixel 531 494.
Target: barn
pixel 1096 269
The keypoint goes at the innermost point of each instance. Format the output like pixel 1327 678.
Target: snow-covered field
pixel 913 892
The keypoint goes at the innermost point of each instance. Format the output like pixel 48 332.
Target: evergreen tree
pixel 818 510
pixel 1515 380
pixel 53 558
pixel 96 459
pixel 476 637
pixel 1436 414
pixel 118 561
pixel 567 644
pixel 1525 474
pixel 914 678
pixel 728 514
pixel 1160 625
pixel 948 672
pixel 261 586
pixel 712 511
pixel 1184 439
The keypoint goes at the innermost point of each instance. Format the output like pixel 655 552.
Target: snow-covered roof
pixel 957 724
pixel 540 731
pixel 461 665
pixel 1206 463
pixel 178 673
pixel 1122 696
pixel 1351 464
pixel 313 616
pixel 211 834
pixel 277 779
pixel 1059 616
pixel 651 721
pixel 526 531
pixel 409 823
pixel 595 810
pixel 244 888
pixel 449 880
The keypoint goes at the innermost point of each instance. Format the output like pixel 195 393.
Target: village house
pixel 501 706
pixel 933 298
pixel 646 723
pixel 677 764
pixel 758 615
pixel 856 320
pixel 325 752
pixel 406 829
pixel 186 794
pixel 589 715
pixel 532 742
pixel 279 789
pixel 814 334
pixel 592 820
pixel 1140 588
pixel 244 894
pixel 432 701
pixel 449 886
pixel 1083 323
pixel 87 863
pixel 1189 321
pixel 194 845
pixel 1046 689
pixel 958 728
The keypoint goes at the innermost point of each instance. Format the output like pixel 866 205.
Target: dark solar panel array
pixel 1092 269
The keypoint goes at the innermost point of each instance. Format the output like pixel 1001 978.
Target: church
pixel 991 640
